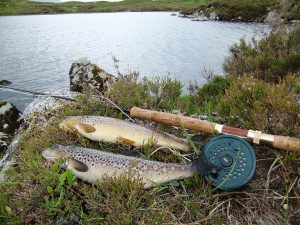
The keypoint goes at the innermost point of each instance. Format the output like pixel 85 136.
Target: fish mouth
pixel 69 124
pixel 53 153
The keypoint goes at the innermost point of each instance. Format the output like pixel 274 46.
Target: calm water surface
pixel 37 50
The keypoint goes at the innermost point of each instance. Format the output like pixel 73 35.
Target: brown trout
pixel 92 165
pixel 113 130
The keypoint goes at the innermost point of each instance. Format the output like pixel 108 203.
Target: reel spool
pixel 227 161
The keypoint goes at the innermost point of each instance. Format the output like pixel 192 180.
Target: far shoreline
pixel 198 10
pixel 112 12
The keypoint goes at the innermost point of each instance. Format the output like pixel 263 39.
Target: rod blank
pixel 281 142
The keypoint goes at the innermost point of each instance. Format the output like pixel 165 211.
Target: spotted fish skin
pixel 92 165
pixel 113 130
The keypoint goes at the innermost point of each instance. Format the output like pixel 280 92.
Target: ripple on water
pixel 37 50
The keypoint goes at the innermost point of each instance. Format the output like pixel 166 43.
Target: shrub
pixel 210 92
pixel 262 105
pixel 129 91
pixel 156 93
pixel 269 59
pixel 247 10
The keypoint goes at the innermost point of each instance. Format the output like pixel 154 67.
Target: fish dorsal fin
pixel 85 128
pixel 125 141
pixel 77 165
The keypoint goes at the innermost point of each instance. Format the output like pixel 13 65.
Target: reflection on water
pixel 37 50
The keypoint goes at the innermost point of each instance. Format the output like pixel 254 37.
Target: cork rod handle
pixel 281 142
pixel 287 143
pixel 174 120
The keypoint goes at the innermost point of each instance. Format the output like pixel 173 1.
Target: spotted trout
pixel 113 130
pixel 92 165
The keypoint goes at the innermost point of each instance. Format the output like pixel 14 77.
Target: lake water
pixel 37 50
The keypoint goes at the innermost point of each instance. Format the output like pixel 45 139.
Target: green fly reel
pixel 227 161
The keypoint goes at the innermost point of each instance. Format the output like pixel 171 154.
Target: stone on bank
pixel 84 73
pixel 10 120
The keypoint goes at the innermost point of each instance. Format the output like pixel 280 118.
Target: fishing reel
pixel 227 161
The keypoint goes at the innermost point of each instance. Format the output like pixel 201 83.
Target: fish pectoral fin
pixel 77 165
pixel 125 141
pixel 85 128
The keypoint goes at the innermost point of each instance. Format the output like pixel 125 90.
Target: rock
pixel 4 82
pixel 10 120
pixel 4 140
pixel 44 104
pixel 6 160
pixel 182 15
pixel 84 73
pixel 273 17
pixel 295 21
pixel 10 117
pixel 4 168
pixel 41 111
pixel 213 16
pixel 199 16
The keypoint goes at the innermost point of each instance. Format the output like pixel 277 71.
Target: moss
pixel 97 69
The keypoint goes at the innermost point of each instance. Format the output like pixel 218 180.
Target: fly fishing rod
pixel 227 161
pixel 257 137
pixel 35 93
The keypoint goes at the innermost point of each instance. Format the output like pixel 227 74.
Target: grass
pixel 13 7
pixel 41 192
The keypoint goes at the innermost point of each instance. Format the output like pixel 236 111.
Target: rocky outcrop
pixel 4 82
pixel 4 141
pixel 84 73
pixel 199 16
pixel 10 120
pixel 41 111
pixel 275 13
pixel 10 117
pixel 284 12
pixel 213 16
pixel 273 17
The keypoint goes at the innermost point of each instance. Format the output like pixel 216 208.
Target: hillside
pixel 14 7
pixel 229 10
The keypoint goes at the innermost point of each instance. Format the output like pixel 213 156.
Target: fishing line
pixel 172 151
pixel 35 93
pixel 115 105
